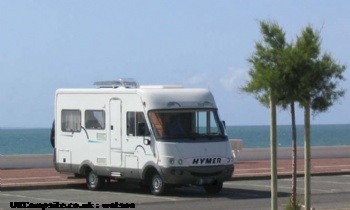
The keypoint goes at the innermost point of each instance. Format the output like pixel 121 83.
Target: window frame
pixel 75 124
pixel 103 120
pixel 135 116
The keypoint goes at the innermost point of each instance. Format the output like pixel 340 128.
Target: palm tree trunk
pixel 307 158
pixel 294 156
pixel 273 142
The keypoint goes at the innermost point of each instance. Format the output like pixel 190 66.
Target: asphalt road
pixel 328 192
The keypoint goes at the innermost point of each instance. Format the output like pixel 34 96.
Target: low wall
pixel 45 161
pixel 286 153
pixel 26 161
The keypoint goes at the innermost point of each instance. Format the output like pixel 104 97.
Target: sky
pixel 46 45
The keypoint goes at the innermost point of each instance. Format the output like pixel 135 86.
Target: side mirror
pixel 224 123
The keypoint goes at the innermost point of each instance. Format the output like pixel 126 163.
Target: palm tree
pixel 318 81
pixel 266 67
pixel 283 74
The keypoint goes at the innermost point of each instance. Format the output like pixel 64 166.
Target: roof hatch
pixel 123 82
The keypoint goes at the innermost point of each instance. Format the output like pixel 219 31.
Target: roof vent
pixel 123 82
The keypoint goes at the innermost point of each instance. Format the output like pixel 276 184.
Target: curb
pixel 285 176
pixel 82 184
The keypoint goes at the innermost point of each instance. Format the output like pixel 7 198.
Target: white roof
pixel 158 97
pixel 177 98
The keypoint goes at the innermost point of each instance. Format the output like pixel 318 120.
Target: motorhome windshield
pixel 186 124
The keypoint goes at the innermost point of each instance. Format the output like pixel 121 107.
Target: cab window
pixel 136 124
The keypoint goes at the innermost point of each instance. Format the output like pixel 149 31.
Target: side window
pixel 136 124
pixel 71 120
pixel 95 119
pixel 206 123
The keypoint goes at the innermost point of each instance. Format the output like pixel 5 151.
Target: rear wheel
pixel 213 188
pixel 93 181
pixel 157 184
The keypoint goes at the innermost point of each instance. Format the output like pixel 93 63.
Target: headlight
pixel 230 159
pixel 171 161
pixel 179 161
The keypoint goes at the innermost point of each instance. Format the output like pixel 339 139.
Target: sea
pixel 19 141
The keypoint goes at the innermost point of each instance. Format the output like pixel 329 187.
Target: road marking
pixel 332 166
pixel 264 186
pixel 34 183
pixel 329 182
pixel 332 182
pixel 261 173
pixel 269 186
pixel 39 198
pixel 22 178
pixel 150 196
pixel 247 184
pixel 339 191
pixel 260 169
pixel 130 194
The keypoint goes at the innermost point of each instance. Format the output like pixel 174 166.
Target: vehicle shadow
pixel 176 192
pixel 191 191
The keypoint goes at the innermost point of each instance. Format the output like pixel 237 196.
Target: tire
pixel 157 184
pixel 93 181
pixel 213 188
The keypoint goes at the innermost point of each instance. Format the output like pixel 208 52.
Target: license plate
pixel 203 181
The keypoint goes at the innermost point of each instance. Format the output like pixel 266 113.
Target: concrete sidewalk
pixel 12 179
pixel 260 169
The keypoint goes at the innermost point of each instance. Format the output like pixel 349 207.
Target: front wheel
pixel 157 185
pixel 213 188
pixel 93 181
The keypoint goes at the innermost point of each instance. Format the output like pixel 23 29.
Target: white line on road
pixel 261 173
pixel 332 166
pixel 130 194
pixel 329 182
pixel 246 184
pixel 269 186
pixel 255 169
pixel 21 178
pixel 34 183
pixel 39 198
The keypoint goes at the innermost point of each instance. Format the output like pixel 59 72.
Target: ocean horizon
pixel 20 141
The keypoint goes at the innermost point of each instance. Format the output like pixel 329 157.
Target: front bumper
pixel 197 175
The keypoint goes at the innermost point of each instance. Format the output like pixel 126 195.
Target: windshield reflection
pixel 185 124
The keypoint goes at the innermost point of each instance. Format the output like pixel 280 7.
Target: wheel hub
pixel 157 183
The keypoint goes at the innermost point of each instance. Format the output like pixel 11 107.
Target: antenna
pixel 123 82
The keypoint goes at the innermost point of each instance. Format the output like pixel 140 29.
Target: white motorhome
pixel 161 136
